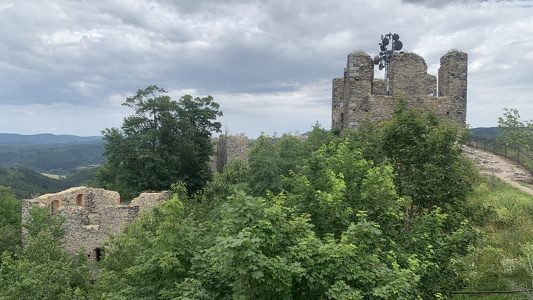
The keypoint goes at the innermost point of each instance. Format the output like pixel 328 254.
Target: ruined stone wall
pixel 453 79
pixel 228 148
pixel 91 215
pixel 337 102
pixel 359 96
pixel 148 200
pixel 213 159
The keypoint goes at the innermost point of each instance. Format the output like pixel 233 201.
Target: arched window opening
pixel 55 206
pixel 80 201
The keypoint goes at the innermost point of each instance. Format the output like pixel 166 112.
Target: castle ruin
pixel 359 96
pixel 91 215
pixel 227 149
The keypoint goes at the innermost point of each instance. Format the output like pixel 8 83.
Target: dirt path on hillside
pixel 506 170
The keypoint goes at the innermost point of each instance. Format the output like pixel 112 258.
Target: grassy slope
pixel 501 260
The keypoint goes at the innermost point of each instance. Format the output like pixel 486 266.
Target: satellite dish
pixel 385 41
pixel 397 45
pixel 381 66
pixel 395 37
pixel 376 60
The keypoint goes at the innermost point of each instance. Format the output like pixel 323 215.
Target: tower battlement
pixel 359 96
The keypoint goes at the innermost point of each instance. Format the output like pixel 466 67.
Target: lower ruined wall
pixel 381 107
pixel 87 229
pixel 91 215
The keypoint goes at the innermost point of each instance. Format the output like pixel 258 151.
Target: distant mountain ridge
pixel 487 132
pixel 12 139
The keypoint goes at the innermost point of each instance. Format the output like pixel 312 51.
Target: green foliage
pixel 10 238
pixel 514 132
pixel 272 158
pixel 325 223
pixel 152 255
pixel 42 270
pixel 258 248
pixel 235 176
pixel 425 152
pixel 39 221
pixel 501 260
pixel 163 142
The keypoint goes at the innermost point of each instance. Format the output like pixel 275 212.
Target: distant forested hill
pixel 24 157
pixel 26 184
pixel 488 132
pixel 52 159
pixel 11 139
pixel 52 154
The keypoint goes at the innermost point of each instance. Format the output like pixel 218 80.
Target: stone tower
pixel 359 96
pixel 227 149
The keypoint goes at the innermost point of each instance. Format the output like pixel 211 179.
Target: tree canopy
pixel 310 220
pixel 163 142
pixel 42 269
pixel 9 220
pixel 513 131
pixel 380 213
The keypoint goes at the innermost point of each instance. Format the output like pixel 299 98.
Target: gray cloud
pixel 438 3
pixel 273 60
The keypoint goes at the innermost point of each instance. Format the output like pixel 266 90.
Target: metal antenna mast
pixel 385 56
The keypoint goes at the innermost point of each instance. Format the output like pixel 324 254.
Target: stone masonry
pixel 91 215
pixel 359 96
pixel 227 149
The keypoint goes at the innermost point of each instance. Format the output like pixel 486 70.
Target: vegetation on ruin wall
pixel 43 270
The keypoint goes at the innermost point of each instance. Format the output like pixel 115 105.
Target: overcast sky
pixel 67 65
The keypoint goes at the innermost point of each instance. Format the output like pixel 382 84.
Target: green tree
pixel 10 238
pixel 435 180
pixel 253 247
pixel 272 158
pixel 165 141
pixel 42 269
pixel 153 254
pixel 336 231
pixel 425 152
pixel 512 131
